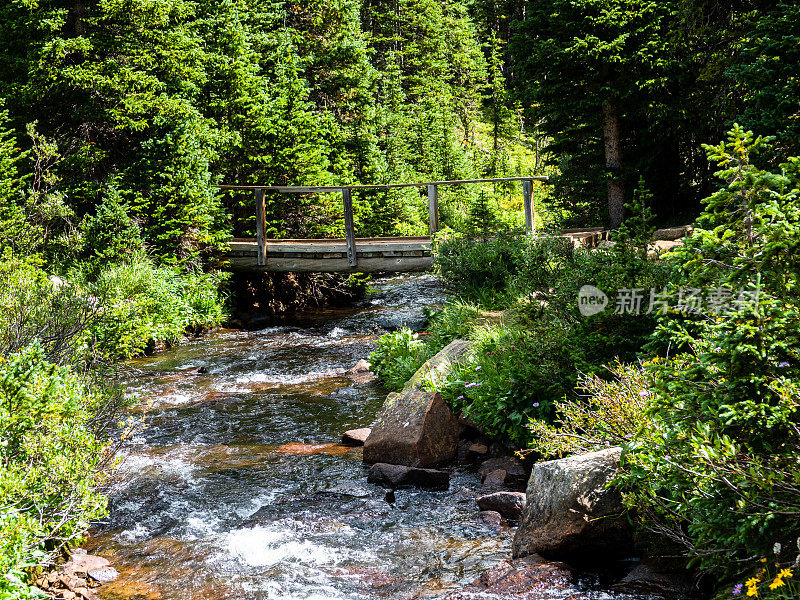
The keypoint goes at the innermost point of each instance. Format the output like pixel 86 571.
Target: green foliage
pixel 144 305
pixel 479 269
pixel 766 77
pixel 608 413
pixel 399 355
pixel 716 465
pixel 110 235
pixel 536 354
pixel 50 461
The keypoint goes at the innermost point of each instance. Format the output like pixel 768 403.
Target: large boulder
pixel 436 368
pixel 570 511
pixel 414 428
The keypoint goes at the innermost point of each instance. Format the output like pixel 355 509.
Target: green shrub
pixel 50 462
pixel 400 353
pixel 479 269
pixel 143 304
pixel 34 309
pixel 716 466
pixel 608 413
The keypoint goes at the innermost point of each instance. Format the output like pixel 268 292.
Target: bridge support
pixel 527 198
pixel 349 227
pixel 261 227
pixel 433 209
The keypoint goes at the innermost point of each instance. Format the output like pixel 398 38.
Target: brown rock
pixel 395 476
pixel 495 480
pixel 490 517
pixel 83 563
pixel 516 474
pixel 356 437
pixel 83 591
pixel 414 428
pixel 67 595
pixel 477 450
pixel 361 366
pixel 529 578
pixel 104 575
pixel 570 511
pixel 508 504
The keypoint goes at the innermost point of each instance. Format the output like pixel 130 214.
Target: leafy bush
pixel 609 413
pixel 51 462
pixel 399 355
pixel 479 269
pixel 715 467
pixel 536 356
pixel 143 304
pixel 33 309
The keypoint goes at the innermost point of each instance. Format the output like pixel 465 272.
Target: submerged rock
pixel 356 437
pixel 529 578
pixel 414 428
pixel 104 574
pixel 394 476
pixel 490 517
pixel 508 504
pixel 570 512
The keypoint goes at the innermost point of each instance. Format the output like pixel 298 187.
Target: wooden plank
pixel 261 225
pixel 310 189
pixel 311 246
pixel 342 265
pixel 349 227
pixel 527 202
pixel 433 209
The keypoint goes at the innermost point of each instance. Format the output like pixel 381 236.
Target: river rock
pixel 355 437
pixel 414 428
pixel 103 575
pixel 361 366
pixel 647 579
pixel 436 368
pixel 83 563
pixel 508 504
pixel 395 476
pixel 494 480
pixel 490 517
pixel 516 476
pixel 569 510
pixel 529 578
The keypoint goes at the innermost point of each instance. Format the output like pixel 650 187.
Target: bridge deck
pixel 330 255
pixel 374 255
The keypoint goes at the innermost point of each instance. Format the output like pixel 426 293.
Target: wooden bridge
pixel 350 254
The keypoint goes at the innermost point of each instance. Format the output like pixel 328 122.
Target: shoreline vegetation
pixel 697 382
pixel 119 118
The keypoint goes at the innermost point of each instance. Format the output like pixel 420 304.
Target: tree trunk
pixel 613 149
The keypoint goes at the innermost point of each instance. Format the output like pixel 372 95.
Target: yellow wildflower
pixel 763 560
pixel 777 582
pixel 751 591
pixel 785 573
pixel 752 582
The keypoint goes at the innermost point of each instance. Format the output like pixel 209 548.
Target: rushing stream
pixel 236 486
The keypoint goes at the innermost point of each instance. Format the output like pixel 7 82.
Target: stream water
pixel 236 486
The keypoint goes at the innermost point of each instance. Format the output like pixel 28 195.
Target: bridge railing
pixel 347 201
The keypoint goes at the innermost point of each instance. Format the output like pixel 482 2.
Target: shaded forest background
pixel 121 115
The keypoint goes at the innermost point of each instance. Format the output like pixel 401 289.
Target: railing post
pixel 527 198
pixel 349 228
pixel 261 227
pixel 433 209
